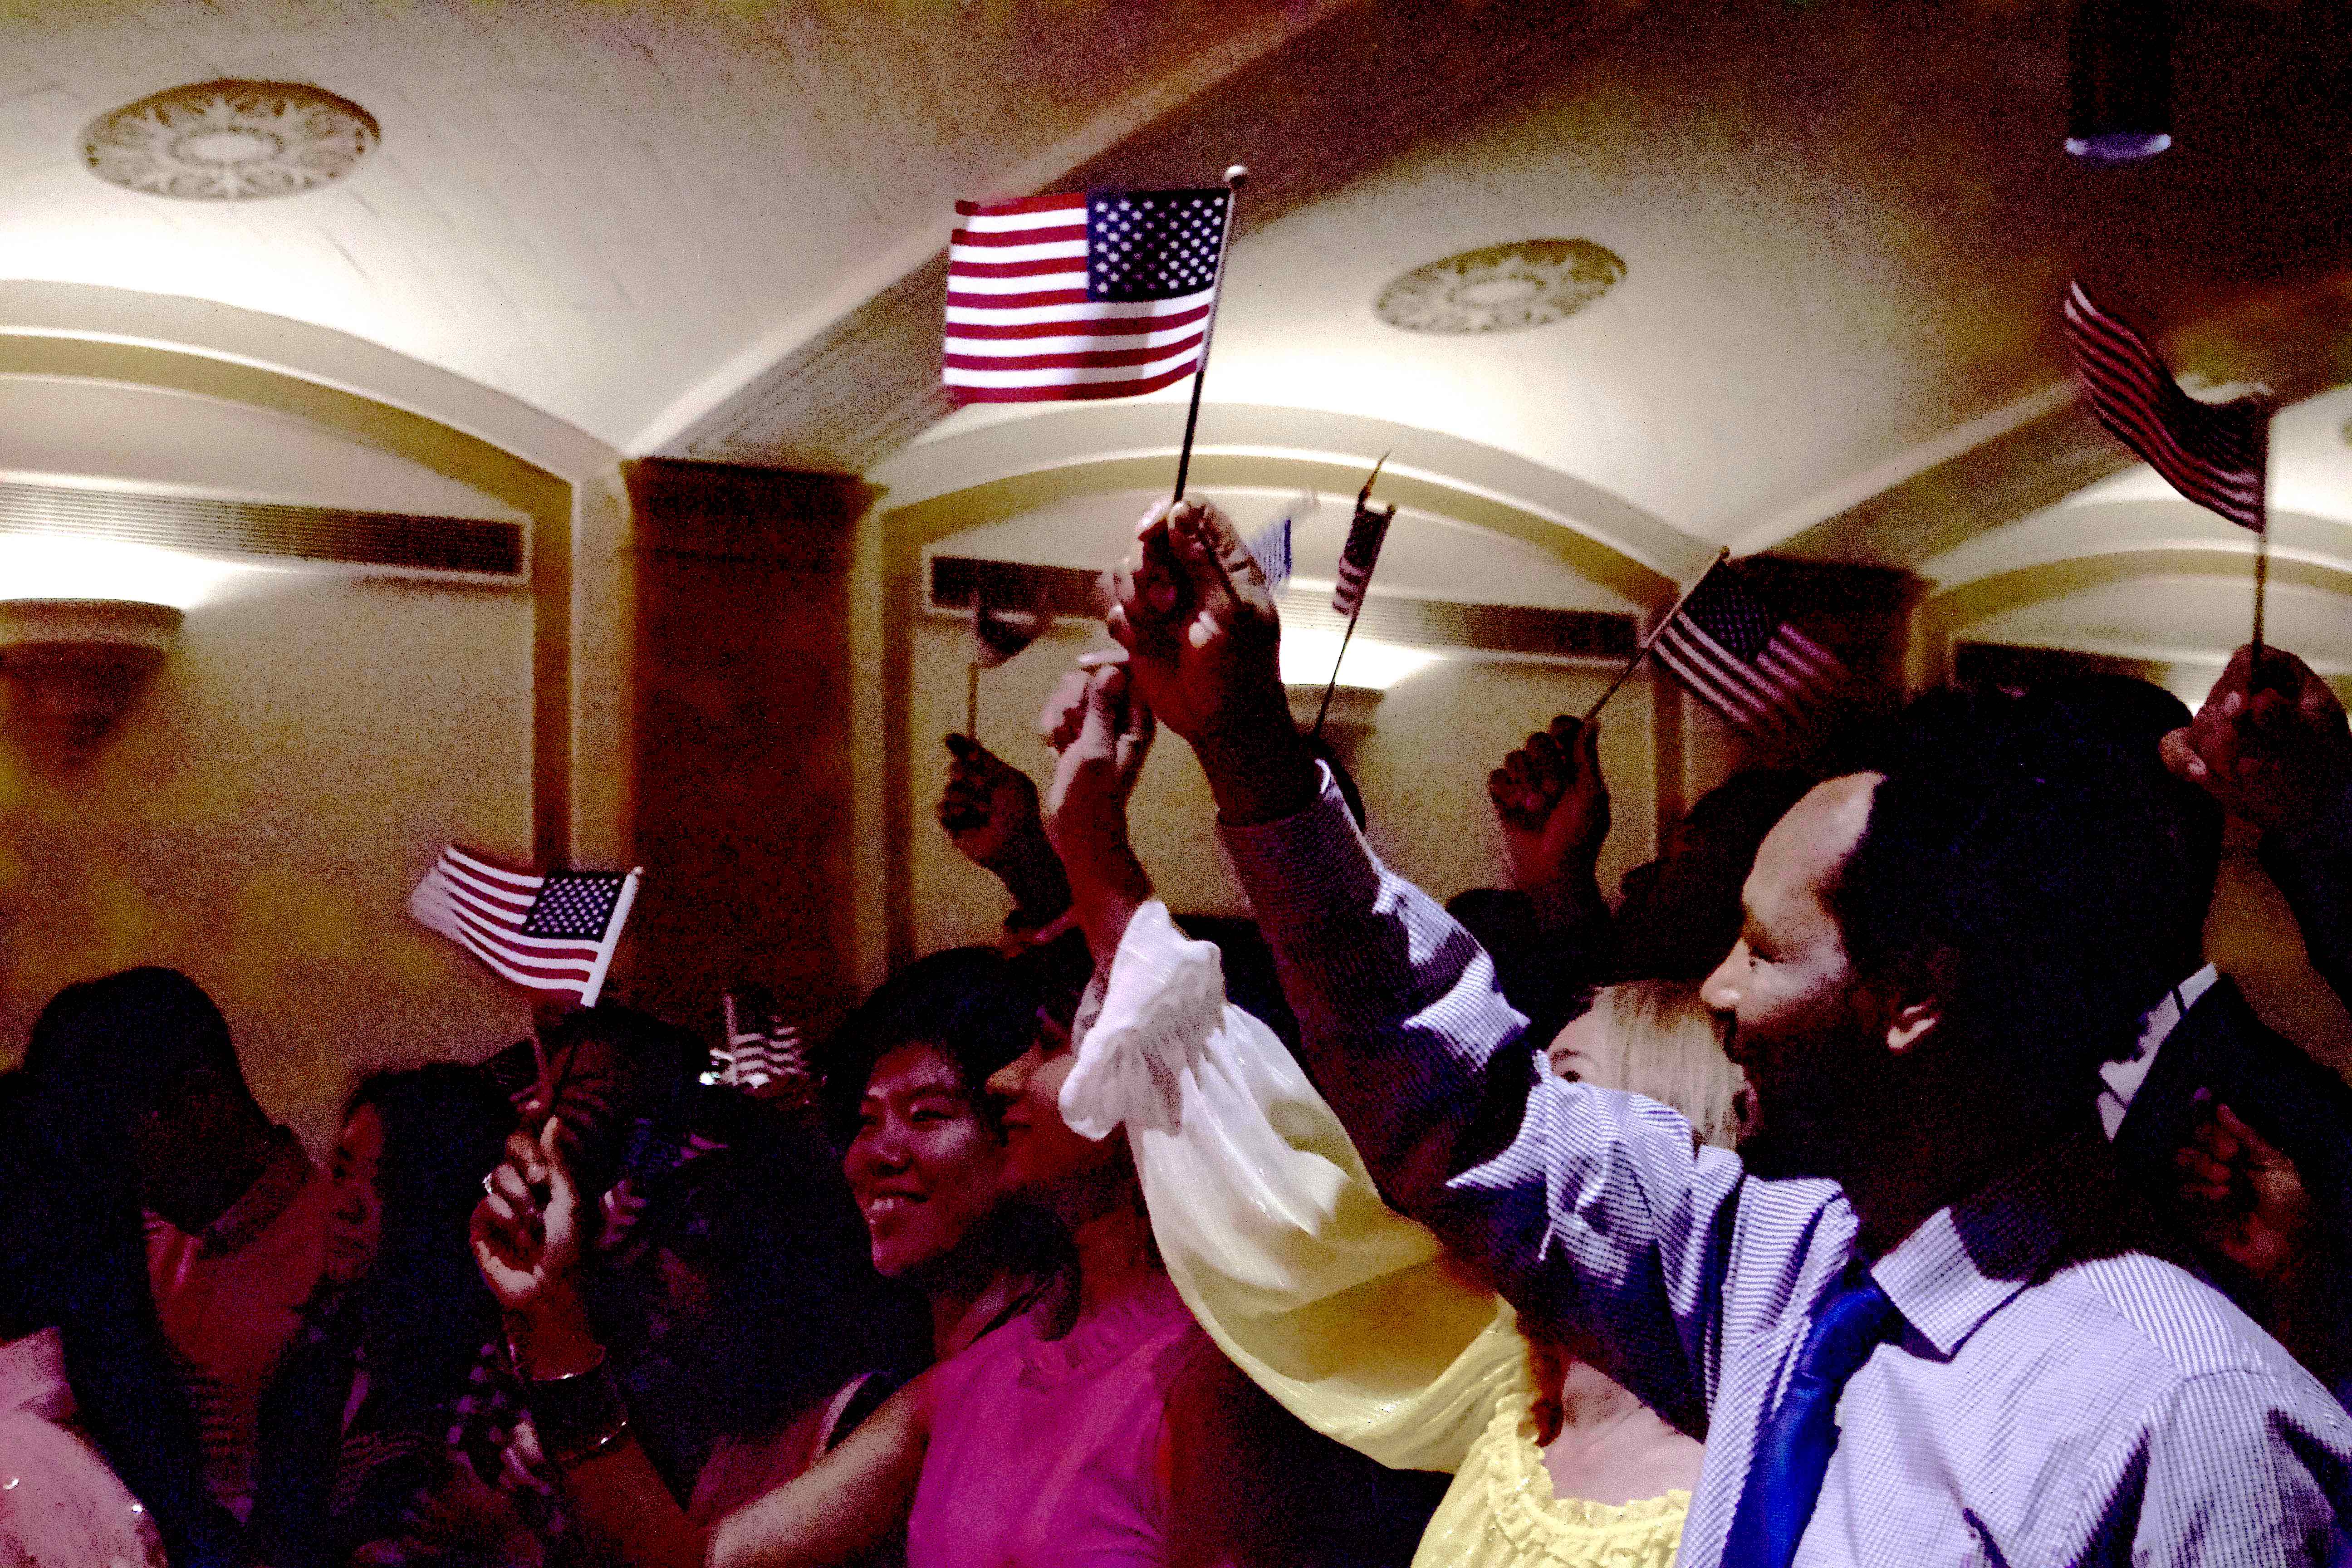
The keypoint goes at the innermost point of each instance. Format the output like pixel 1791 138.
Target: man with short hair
pixel 237 1212
pixel 2207 1071
pixel 1948 1342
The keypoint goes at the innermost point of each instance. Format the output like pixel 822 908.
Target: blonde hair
pixel 1658 1040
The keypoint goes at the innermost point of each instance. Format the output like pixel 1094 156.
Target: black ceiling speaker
pixel 2120 79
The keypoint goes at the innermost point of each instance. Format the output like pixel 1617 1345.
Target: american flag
pixel 1366 533
pixel 1743 660
pixel 1086 294
pixel 760 1049
pixel 1270 546
pixel 554 932
pixel 2214 454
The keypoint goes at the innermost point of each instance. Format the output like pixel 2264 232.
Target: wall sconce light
pixel 2119 79
pixel 70 667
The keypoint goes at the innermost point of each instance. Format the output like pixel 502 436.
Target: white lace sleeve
pixel 1345 1311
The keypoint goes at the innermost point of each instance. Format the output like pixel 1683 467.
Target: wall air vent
pixel 478 549
pixel 1507 631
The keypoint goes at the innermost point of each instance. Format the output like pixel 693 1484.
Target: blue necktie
pixel 1784 1477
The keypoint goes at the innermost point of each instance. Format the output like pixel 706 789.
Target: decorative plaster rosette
pixel 1501 288
pixel 229 141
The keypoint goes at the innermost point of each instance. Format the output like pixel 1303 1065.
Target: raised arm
pixel 526 1240
pixel 1343 1311
pixel 989 809
pixel 2270 745
pixel 1580 1203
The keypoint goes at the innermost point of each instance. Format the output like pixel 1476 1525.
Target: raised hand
pixel 2270 744
pixel 1552 804
pixel 1104 731
pixel 526 1240
pixel 2244 1199
pixel 1192 608
pixel 989 807
pixel 1108 731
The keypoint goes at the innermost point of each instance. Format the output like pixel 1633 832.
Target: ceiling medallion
pixel 229 141
pixel 1501 288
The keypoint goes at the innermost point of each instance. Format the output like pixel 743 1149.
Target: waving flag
pixel 1366 533
pixel 2214 454
pixel 1270 546
pixel 1086 294
pixel 1743 660
pixel 556 933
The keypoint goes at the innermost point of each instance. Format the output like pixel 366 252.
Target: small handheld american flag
pixel 1270 546
pixel 761 1050
pixel 2214 454
pixel 1366 531
pixel 1737 655
pixel 1083 294
pixel 553 932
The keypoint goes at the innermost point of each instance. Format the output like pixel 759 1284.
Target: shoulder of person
pixel 2154 1325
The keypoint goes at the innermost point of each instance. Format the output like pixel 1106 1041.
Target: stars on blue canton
pixel 1736 619
pixel 574 906
pixel 1153 245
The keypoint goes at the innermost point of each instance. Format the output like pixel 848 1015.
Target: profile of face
pixel 1046 1161
pixel 926 1164
pixel 1803 1027
pixel 356 1230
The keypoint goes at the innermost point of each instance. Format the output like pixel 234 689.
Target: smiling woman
pixel 908 1078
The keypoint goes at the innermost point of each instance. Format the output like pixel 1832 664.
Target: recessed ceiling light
pixel 1501 288
pixel 230 140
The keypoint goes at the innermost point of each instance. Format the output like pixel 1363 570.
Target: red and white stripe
pixel 1793 682
pixel 2213 454
pixel 482 907
pixel 1021 328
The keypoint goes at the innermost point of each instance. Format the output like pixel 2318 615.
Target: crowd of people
pixel 1884 1176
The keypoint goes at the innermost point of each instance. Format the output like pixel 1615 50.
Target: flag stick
pixel 2263 534
pixel 2262 584
pixel 1333 684
pixel 1235 177
pixel 972 700
pixel 1363 505
pixel 1654 633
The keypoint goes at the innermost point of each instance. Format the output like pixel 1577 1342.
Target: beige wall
pixel 259 816
pixel 1421 760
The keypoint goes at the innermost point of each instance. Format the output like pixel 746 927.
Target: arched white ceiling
pixel 1843 228
pixel 594 206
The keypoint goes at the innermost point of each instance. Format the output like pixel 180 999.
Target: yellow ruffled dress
pixel 1500 1511
pixel 1351 1315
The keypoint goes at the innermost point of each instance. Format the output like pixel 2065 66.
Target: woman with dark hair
pixel 354 1425
pixel 88 1398
pixel 904 1091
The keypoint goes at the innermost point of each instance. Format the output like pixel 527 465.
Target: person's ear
pixel 1916 1012
pixel 1913 1026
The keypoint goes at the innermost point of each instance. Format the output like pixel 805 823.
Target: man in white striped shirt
pixel 1934 959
